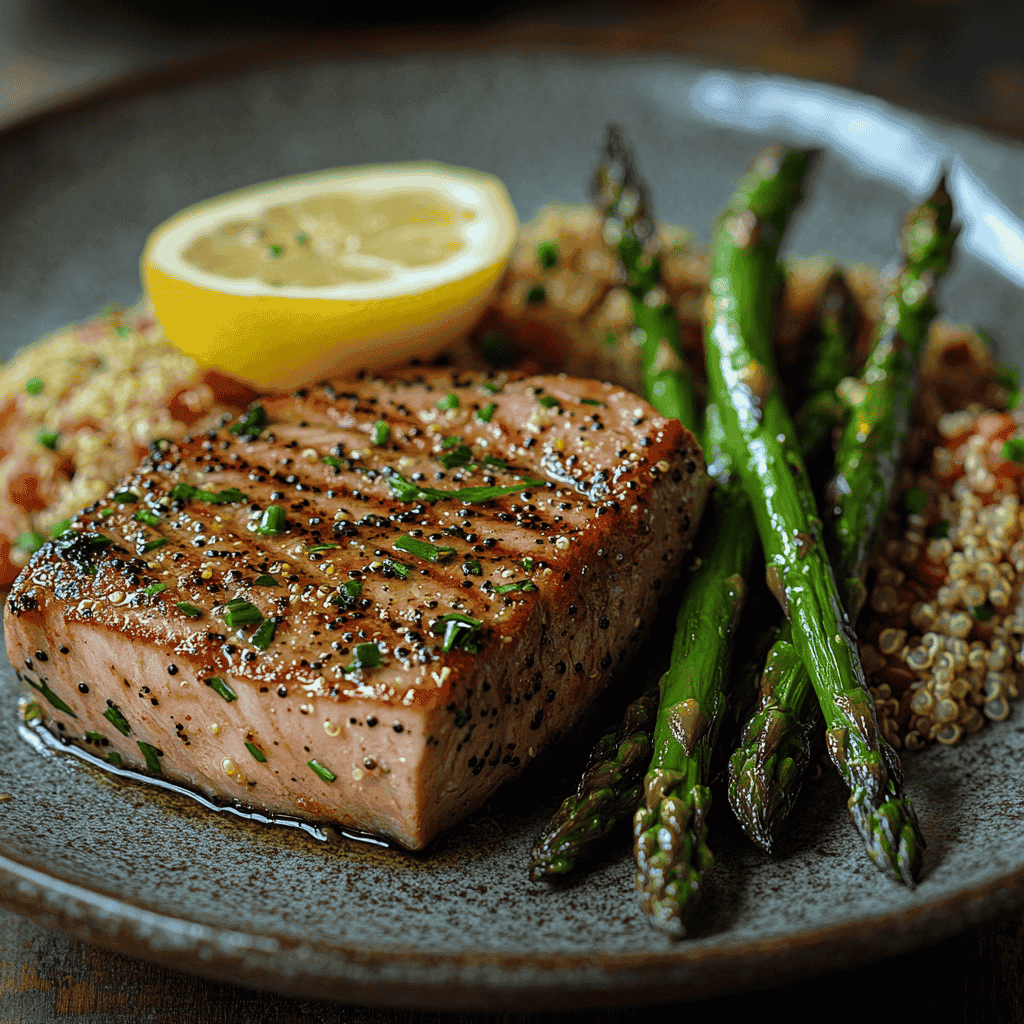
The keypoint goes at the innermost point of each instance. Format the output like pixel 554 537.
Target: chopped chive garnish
pixel 256 752
pixel 241 613
pixel 939 530
pixel 154 589
pixel 982 612
pixel 252 426
pixel 51 697
pixel 915 500
pixel 490 460
pixel 381 432
pixel 367 656
pixel 547 254
pixel 472 567
pixel 333 460
pixel 320 547
pixel 126 497
pixel 1013 449
pixel 30 541
pixel 325 773
pixel 348 594
pixel 450 442
pixel 524 585
pixel 95 737
pixel 189 610
pixel 590 401
pixel 460 456
pixel 609 340
pixel 275 250
pixel 404 490
pixel 117 720
pixel 450 401
pixel 123 330
pixel 48 438
pixel 59 529
pixel 147 517
pixel 152 545
pixel 392 567
pixel 496 348
pixel 548 401
pixel 536 294
pixel 219 686
pixel 265 580
pixel 106 513
pixel 263 636
pixel 461 633
pixel 489 385
pixel 115 759
pixel 186 492
pixel 484 415
pixel 272 521
pixel 34 385
pixel 301 238
pixel 152 756
pixel 527 564
pixel 424 549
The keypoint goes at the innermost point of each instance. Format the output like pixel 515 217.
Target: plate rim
pixel 129 928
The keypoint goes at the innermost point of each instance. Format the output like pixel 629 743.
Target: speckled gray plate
pixel 120 865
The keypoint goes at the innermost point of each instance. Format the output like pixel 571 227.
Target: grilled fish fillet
pixel 368 603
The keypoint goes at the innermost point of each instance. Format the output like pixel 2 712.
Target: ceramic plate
pixel 118 864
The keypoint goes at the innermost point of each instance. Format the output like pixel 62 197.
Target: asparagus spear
pixel 869 449
pixel 609 791
pixel 611 787
pixel 761 440
pixel 765 770
pixel 671 851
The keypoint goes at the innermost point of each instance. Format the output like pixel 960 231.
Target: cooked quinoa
pixel 941 635
pixel 80 409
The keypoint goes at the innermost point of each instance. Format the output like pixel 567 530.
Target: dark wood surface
pixel 960 60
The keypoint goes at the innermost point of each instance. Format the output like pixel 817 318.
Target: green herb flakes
pixel 117 720
pixel 450 401
pixel 472 567
pixel 536 294
pixel 982 612
pixel 34 385
pixel 424 549
pixel 460 456
pixel 265 580
pixel 59 529
pixel 381 432
pixel 152 756
pixel 461 632
pixel 1013 449
pixel 547 254
pixel 256 752
pixel 48 439
pixel 219 686
pixel 263 637
pixel 51 697
pixel 484 415
pixel 115 759
pixel 548 401
pixel 145 516
pixel 186 492
pixel 190 611
pixel 348 594
pixel 367 656
pixel 252 425
pixel 324 772
pixel 238 613
pixel 525 586
pixel 404 490
pixel 154 589
pixel 939 530
pixel 333 460
pixel 272 522
pixel 152 545
pixel 126 497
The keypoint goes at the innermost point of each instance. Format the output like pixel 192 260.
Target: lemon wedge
pixel 324 274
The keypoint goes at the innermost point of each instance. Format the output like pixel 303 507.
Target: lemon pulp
pixel 325 274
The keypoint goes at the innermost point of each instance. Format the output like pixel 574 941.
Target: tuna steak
pixel 367 603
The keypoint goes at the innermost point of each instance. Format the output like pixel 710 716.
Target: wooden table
pixel 960 60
